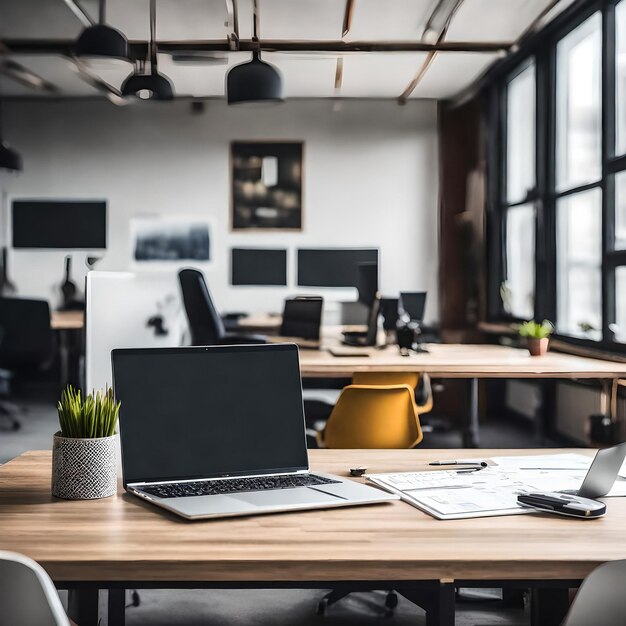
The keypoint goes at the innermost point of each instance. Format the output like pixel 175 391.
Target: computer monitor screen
pixel 413 303
pixel 367 282
pixel 71 225
pixel 332 267
pixel 209 411
pixel 251 266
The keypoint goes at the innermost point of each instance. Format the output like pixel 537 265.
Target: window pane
pixel 518 291
pixel 620 211
pixel 620 76
pixel 579 259
pixel 520 134
pixel 620 305
pixel 578 136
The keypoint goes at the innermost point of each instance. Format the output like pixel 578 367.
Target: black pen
pixel 471 463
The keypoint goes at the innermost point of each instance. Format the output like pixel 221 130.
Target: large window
pixel 578 110
pixel 561 185
pixel 518 287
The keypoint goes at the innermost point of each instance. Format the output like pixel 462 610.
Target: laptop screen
pixel 203 412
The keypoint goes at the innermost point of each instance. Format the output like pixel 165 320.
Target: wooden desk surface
pixel 461 361
pixel 67 320
pixel 124 539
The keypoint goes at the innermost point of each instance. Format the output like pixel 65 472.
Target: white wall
pixel 371 179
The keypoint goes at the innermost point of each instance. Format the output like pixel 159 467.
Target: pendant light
pixel 256 80
pixel 9 158
pixel 153 86
pixel 100 42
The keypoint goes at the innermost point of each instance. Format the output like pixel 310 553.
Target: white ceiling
pixel 305 75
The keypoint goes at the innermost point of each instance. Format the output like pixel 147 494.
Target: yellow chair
pixel 412 379
pixel 373 416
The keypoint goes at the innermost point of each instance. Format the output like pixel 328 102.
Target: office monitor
pixel 64 224
pixel 257 266
pixel 413 303
pixel 367 282
pixel 332 267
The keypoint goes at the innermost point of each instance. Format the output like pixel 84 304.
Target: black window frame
pixel 541 49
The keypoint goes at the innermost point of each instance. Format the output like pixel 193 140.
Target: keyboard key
pixel 235 485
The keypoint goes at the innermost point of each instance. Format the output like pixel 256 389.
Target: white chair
pixel 27 595
pixel 601 598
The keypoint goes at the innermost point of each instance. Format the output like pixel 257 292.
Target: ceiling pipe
pixel 139 49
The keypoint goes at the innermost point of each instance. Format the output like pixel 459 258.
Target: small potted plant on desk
pixel 84 450
pixel 537 336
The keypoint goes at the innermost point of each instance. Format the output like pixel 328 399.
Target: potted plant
pixel 537 336
pixel 84 450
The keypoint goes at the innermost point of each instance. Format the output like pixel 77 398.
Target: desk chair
pixel 205 324
pixel 373 416
pixel 601 598
pixel 27 595
pixel 420 383
pixel 302 317
pixel 25 344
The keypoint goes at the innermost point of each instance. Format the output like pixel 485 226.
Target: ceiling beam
pixel 347 17
pixel 79 11
pixel 139 49
pixel 421 72
pixel 233 23
pixel 22 75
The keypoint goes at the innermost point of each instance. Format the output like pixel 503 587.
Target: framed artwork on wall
pixel 157 239
pixel 266 185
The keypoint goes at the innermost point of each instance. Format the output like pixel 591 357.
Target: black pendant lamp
pixel 256 80
pixel 9 158
pixel 101 42
pixel 152 86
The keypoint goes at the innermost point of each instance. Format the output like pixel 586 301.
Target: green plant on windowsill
pixel 537 335
pixel 87 417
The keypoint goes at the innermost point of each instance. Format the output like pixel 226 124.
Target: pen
pixel 471 463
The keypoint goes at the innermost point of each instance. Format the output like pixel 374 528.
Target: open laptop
pixel 219 431
pixel 602 473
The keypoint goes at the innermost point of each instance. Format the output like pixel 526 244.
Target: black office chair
pixel 205 324
pixel 302 317
pixel 25 344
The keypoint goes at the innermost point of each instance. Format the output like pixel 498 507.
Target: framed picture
pixel 266 185
pixel 157 239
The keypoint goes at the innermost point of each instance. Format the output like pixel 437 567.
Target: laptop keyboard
pixel 236 485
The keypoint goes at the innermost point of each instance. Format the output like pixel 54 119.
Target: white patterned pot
pixel 83 469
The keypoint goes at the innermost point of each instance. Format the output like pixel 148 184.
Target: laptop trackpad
pixel 285 497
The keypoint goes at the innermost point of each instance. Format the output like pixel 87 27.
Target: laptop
pixel 219 431
pixel 602 474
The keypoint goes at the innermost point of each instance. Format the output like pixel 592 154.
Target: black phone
pixel 563 504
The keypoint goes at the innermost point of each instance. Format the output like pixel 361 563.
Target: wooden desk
pixel 471 362
pixel 67 320
pixel 122 542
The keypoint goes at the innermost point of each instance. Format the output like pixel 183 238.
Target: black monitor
pixel 258 266
pixel 367 282
pixel 302 317
pixel 65 224
pixel 332 267
pixel 413 303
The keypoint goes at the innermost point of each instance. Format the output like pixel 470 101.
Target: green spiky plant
pixel 89 417
pixel 536 330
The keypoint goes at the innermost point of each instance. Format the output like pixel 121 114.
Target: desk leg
pixel 471 438
pixel 83 606
pixel 438 603
pixel 548 606
pixel 117 607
